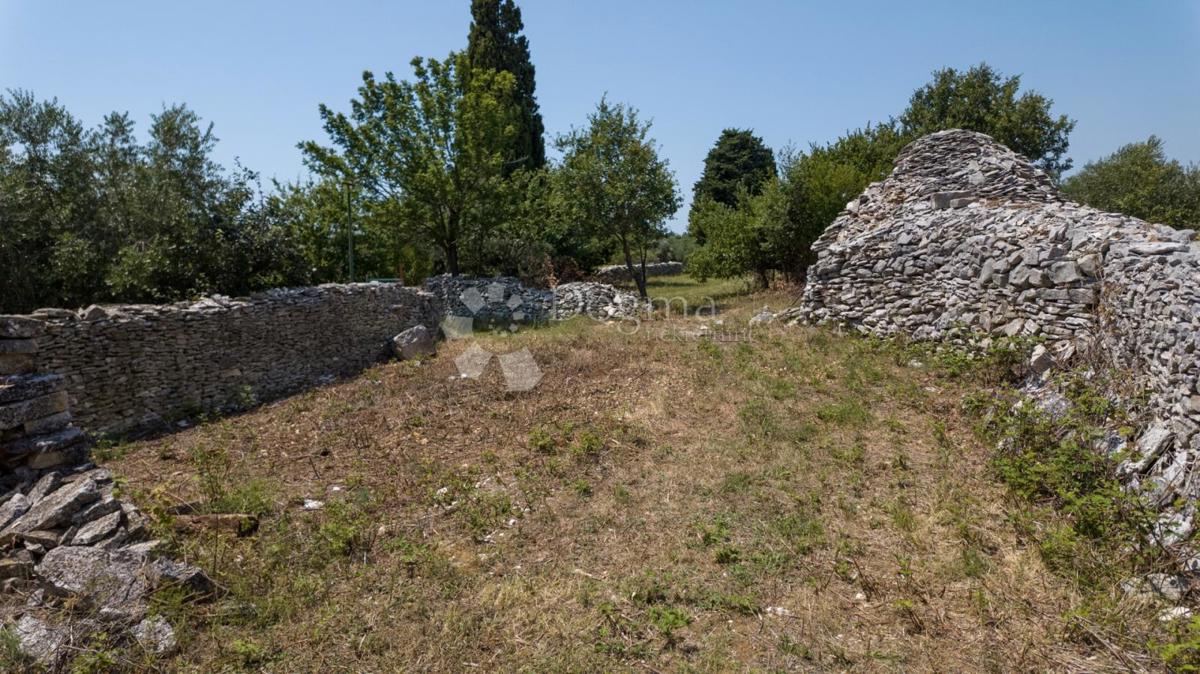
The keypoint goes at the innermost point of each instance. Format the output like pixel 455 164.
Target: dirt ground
pixel 783 499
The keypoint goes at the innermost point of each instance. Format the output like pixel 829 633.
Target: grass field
pixel 792 499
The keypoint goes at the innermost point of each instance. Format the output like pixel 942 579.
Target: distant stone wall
pixel 615 273
pixel 135 366
pixel 967 239
pixel 479 303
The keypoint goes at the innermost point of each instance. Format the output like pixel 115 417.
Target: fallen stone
pixel 155 635
pixel 46 484
pixel 43 539
pixel 1041 360
pixel 56 508
pixel 184 575
pixel 41 641
pixel 95 531
pixel 116 583
pixel 763 317
pixel 12 509
pixel 414 342
pixel 1156 585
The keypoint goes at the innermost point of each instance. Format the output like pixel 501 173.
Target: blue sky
pixel 793 71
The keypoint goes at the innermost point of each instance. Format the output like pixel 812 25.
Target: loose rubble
pixel 83 559
pixel 967 241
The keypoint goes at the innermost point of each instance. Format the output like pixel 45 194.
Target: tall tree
pixel 739 160
pixel 428 152
pixel 981 99
pixel 93 216
pixel 495 43
pixel 1139 180
pixel 614 183
pixel 45 189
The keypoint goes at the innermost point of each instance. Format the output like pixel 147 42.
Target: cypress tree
pixel 495 43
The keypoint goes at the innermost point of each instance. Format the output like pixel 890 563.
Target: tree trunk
pixel 452 258
pixel 639 279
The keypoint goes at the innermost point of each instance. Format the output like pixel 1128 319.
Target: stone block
pixel 43 425
pixel 25 387
pixel 17 413
pixel 20 327
pixel 414 342
pixel 16 363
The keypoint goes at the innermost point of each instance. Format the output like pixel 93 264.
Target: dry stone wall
pixel 504 300
pixel 35 419
pixel 967 238
pixel 133 366
pixel 615 273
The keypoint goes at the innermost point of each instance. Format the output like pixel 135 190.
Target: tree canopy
pixel 738 161
pixel 95 215
pixel 428 153
pixel 495 43
pixel 613 183
pixel 1139 180
pixel 981 99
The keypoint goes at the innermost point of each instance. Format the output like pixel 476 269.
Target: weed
pixel 847 412
pixel 668 620
pixel 1182 652
pixel 542 441
pixel 758 419
pixel 249 653
pixel 789 646
pixel 727 554
pixel 589 445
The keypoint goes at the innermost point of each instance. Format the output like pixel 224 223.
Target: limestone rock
pixel 56 508
pixel 155 635
pixel 414 342
pixel 116 583
pixel 41 641
pixel 96 530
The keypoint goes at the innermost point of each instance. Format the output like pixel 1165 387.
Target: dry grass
pixel 800 501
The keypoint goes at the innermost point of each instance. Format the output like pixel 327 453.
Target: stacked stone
pixel 70 543
pixel 966 240
pixel 504 300
pixel 597 300
pixel 617 273
pixel 35 420
pixel 1150 325
pixel 499 300
pixel 130 367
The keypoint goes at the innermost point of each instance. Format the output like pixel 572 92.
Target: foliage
pixel 751 238
pixel 94 215
pixel 429 153
pixel 495 44
pixel 738 161
pixel 1139 180
pixel 1053 463
pixel 613 183
pixel 981 99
